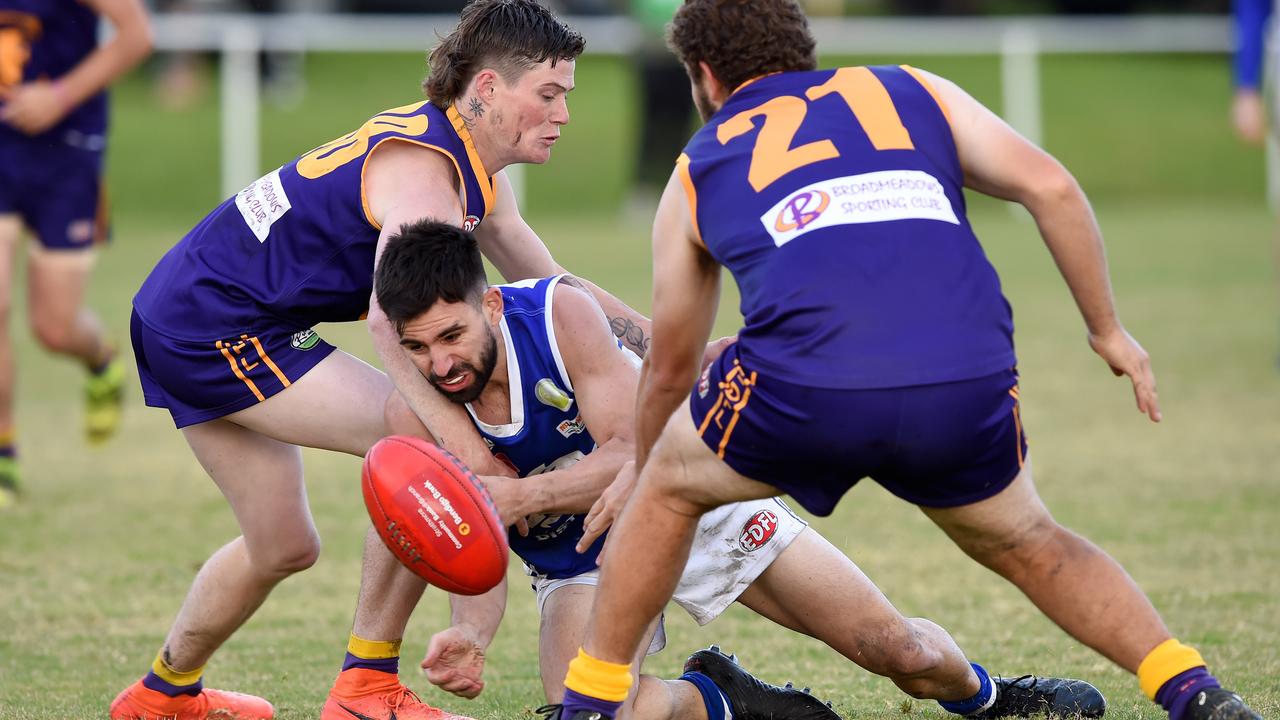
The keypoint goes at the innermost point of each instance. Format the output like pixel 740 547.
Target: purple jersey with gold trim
pixel 296 247
pixel 44 40
pixel 835 199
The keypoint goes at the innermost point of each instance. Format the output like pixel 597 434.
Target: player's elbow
pixel 1052 185
pixel 139 40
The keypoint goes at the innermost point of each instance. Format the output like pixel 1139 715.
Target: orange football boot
pixel 139 702
pixel 363 694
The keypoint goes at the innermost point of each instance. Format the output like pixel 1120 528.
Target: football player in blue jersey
pixel 876 343
pixel 221 332
pixel 1255 64
pixel 552 393
pixel 53 131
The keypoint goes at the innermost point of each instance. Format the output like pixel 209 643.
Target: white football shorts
pixel 734 544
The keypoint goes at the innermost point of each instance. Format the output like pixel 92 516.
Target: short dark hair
pixel 425 263
pixel 742 39
pixel 509 36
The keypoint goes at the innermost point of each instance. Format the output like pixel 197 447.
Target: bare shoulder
pixel 402 172
pixel 574 308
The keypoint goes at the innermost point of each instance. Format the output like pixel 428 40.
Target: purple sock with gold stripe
pixel 380 655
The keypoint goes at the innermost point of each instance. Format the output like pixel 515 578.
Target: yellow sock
pixel 1169 659
pixel 373 649
pixel 598 679
pixel 177 678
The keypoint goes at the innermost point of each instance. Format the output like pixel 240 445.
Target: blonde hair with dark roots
pixel 509 36
pixel 742 39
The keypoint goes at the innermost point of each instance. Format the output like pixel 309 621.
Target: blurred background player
pixel 1255 63
pixel 53 134
pixel 222 336
pixel 665 109
pixel 556 399
pixel 799 179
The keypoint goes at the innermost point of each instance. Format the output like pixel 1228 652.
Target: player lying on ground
pixel 876 343
pixel 552 393
pixel 222 335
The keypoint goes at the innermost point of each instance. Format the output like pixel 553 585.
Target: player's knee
pixel 54 334
pixel 899 651
pixel 667 478
pixel 288 557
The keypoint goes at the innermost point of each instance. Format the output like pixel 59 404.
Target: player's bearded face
pixel 474 373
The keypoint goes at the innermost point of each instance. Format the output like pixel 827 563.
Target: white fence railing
pixel 1019 41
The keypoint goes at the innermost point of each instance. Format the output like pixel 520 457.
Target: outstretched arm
pixel 999 162
pixel 37 106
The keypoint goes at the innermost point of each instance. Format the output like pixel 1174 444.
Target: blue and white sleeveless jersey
pixel 546 431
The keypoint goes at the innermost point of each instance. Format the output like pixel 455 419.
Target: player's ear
pixel 491 304
pixel 485 84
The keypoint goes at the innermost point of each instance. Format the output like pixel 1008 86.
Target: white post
pixel 1020 77
pixel 240 95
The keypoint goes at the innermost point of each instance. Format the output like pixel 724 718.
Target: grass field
pixel 94 564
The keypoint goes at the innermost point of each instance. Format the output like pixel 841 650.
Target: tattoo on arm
pixel 631 334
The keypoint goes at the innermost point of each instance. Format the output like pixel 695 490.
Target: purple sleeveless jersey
pixel 45 39
pixel 835 199
pixel 296 247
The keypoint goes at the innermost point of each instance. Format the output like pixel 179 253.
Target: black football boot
pixel 753 699
pixel 1030 695
pixel 1218 704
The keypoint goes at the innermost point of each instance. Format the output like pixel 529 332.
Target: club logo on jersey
pixel 304 340
pixel 470 222
pixel 801 209
pixel 550 394
pixel 758 531
pixel 569 428
pixel 704 383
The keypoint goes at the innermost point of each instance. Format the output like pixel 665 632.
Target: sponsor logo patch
pixel 704 383
pixel 568 428
pixel 263 203
pixel 758 531
pixel 304 340
pixel 855 199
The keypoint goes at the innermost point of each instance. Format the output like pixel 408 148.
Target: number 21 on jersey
pixel 774 156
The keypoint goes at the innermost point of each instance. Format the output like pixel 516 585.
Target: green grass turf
pixel 94 564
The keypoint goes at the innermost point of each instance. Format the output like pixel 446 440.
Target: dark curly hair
pixel 742 39
pixel 509 36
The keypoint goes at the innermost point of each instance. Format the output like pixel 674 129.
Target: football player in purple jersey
pixel 877 343
pixel 53 131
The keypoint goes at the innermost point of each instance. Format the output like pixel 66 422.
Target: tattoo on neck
pixel 631 334
pixel 477 108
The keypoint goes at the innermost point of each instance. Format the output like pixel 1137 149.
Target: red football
pixel 434 515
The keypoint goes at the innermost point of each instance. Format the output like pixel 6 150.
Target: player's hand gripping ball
pixel 434 515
